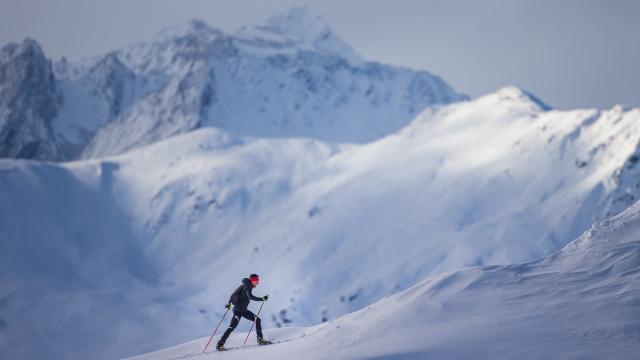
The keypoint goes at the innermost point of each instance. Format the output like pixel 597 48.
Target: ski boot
pixel 262 341
pixel 220 347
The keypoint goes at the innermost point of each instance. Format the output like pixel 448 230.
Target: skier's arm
pixel 250 295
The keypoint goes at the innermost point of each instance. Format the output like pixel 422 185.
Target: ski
pixel 250 346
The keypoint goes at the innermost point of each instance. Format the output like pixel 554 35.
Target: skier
pixel 240 300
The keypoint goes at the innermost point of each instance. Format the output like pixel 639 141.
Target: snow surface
pixel 580 303
pixel 124 255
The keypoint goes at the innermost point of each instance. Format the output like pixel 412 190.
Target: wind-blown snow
pixel 580 303
pixel 106 253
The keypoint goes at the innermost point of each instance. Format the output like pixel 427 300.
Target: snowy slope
pixel 126 245
pixel 580 303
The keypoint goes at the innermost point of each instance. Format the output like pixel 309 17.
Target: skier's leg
pixel 235 320
pixel 252 317
pixel 258 327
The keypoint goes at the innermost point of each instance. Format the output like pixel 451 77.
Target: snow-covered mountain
pixel 291 76
pixel 141 250
pixel 580 303
pixel 279 150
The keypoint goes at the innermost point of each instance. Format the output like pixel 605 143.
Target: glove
pixel 265 298
pixel 228 306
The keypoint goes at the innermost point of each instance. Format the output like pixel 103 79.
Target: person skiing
pixel 240 301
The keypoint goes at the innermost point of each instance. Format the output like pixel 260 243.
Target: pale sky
pixel 570 53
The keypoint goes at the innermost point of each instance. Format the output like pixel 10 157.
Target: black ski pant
pixel 247 314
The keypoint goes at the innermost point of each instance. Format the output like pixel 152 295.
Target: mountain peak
pixel 192 27
pixel 302 28
pixel 299 23
pixel 514 93
pixel 28 91
pixel 110 59
pixel 28 45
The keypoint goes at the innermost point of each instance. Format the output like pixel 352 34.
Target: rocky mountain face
pixel 29 102
pixel 626 178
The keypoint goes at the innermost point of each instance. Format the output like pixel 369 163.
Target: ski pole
pixel 214 331
pixel 254 322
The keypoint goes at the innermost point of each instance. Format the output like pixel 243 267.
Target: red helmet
pixel 255 279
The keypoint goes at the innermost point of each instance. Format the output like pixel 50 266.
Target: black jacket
pixel 243 296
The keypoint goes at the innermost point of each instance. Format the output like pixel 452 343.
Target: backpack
pixel 235 297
